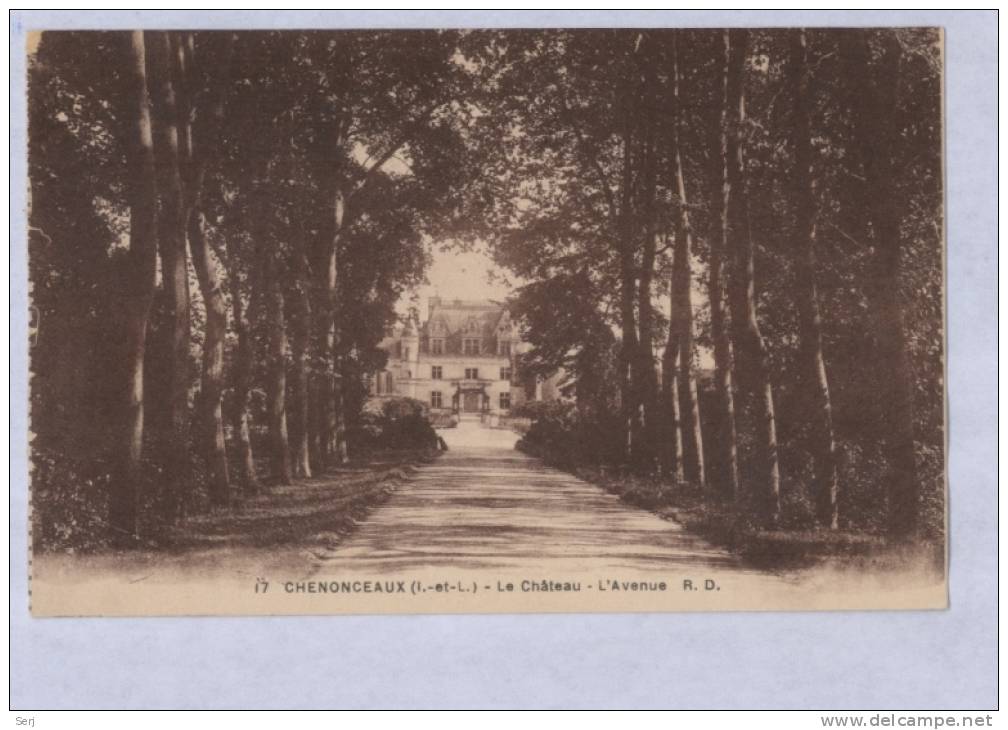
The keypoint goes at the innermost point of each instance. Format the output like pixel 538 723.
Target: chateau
pixel 461 360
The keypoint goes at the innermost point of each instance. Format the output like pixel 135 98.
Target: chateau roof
pixel 456 314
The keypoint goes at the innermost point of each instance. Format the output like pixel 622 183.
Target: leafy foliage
pixel 557 105
pixel 303 114
pixel 343 156
pixel 395 422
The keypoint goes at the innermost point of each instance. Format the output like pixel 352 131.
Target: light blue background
pixel 909 660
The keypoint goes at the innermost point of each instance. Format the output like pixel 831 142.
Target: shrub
pixel 563 436
pixel 70 498
pixel 69 502
pixel 536 409
pixel 395 422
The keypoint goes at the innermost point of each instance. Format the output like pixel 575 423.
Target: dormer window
pixel 437 346
pixel 473 326
pixel 470 346
pixel 504 348
pixel 438 331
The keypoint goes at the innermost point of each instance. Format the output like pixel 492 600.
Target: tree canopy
pixel 730 243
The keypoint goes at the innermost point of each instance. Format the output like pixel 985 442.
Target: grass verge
pixel 730 527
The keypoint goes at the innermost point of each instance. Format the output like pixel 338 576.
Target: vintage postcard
pixel 483 320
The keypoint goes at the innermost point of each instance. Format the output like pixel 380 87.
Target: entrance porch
pixel 470 397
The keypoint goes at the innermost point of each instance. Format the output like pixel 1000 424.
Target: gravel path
pixel 482 528
pixel 485 506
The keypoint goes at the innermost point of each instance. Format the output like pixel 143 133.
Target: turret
pixel 410 339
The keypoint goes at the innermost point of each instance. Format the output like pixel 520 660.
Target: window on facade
pixel 435 399
pixel 437 347
pixel 472 373
pixel 435 372
pixel 406 353
pixel 470 347
pixel 504 348
pixel 505 374
pixel 505 401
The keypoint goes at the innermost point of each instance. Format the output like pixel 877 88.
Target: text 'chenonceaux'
pixel 525 585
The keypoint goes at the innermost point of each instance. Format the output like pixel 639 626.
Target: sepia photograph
pixel 486 320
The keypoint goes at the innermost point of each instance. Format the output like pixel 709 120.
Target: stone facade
pixel 461 360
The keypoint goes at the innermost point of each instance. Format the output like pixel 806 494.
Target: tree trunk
pixel 327 416
pixel 138 288
pixel 727 444
pixel 874 107
pixel 689 404
pixel 276 394
pixel 316 454
pixel 746 333
pixel 174 268
pixel 335 419
pixel 301 332
pixel 629 402
pixel 647 447
pixel 200 142
pixel 240 418
pixel 212 389
pixel 342 447
pixel 629 352
pixel 818 404
pixel 673 443
pixel 682 295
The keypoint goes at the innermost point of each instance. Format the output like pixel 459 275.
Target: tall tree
pixel 816 384
pixel 647 384
pixel 572 192
pixel 742 287
pixel 174 264
pixel 627 245
pixel 140 282
pixel 681 322
pixel 718 240
pixel 205 139
pixel 377 107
